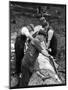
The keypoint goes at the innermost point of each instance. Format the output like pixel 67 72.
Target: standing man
pixel 20 44
pixel 51 38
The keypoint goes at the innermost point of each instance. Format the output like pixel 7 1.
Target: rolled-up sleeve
pixel 50 34
pixel 25 31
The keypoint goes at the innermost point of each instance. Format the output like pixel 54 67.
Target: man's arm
pixel 50 35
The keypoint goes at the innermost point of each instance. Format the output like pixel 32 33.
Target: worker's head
pixel 42 18
pixel 44 23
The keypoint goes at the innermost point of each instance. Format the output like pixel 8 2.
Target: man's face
pixel 45 25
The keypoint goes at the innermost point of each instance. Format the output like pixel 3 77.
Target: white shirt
pixel 50 34
pixel 25 31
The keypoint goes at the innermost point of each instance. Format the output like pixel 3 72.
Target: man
pixel 51 38
pixel 20 44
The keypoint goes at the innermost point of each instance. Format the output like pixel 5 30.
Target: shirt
pixel 25 31
pixel 50 34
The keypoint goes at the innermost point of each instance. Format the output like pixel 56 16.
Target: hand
pixel 49 49
pixel 51 56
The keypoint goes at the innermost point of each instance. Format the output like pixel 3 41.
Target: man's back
pixel 33 51
pixel 30 56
